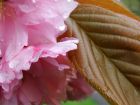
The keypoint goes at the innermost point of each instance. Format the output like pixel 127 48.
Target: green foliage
pixel 87 101
pixel 133 5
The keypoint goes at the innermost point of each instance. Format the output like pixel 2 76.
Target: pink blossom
pixel 45 83
pixel 34 67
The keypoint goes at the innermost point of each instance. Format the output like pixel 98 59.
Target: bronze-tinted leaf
pixel 109 52
pixel 112 5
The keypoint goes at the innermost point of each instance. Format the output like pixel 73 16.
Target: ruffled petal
pixel 34 67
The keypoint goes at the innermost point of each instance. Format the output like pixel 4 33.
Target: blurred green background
pixel 133 5
pixel 88 101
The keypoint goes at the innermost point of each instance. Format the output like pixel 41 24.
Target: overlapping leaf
pixel 109 52
pixel 112 5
